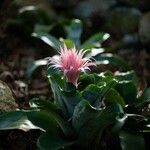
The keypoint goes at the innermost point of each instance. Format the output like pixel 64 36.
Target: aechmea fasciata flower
pixel 71 62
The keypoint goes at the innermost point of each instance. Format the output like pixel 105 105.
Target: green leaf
pixel 35 119
pixel 71 100
pixel 34 65
pixel 97 79
pixel 128 91
pixel 42 28
pixel 93 52
pixel 56 81
pixel 114 97
pixel 92 94
pixel 108 87
pixel 66 99
pixel 95 40
pixel 27 120
pixel 146 95
pixel 49 141
pixel 48 39
pixel 43 120
pixel 90 122
pixel 136 123
pixel 107 77
pixel 31 15
pixel 56 112
pixel 108 58
pixel 68 42
pixel 45 105
pixel 83 112
pixel 16 120
pixel 74 31
pixel 87 79
pixel 127 76
pixel 97 87
pixel 131 141
pixel 95 94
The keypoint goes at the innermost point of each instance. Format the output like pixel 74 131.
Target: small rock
pixel 21 89
pixel 7 101
pixel 6 76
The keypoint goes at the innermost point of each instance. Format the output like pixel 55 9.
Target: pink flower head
pixel 71 62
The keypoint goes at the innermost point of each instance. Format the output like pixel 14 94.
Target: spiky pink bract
pixel 71 62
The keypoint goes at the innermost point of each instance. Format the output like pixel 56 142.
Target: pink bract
pixel 71 62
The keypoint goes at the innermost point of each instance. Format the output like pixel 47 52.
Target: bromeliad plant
pixel 89 111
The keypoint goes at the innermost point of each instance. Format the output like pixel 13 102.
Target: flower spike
pixel 71 62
